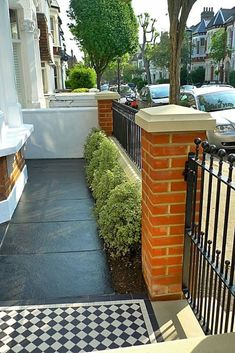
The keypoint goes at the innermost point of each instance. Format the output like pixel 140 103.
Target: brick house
pixel 201 42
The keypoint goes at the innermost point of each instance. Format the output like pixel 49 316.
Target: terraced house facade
pixel 201 43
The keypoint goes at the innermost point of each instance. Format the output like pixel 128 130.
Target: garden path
pixel 50 251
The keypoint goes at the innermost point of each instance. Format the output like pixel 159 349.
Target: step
pixel 176 320
pixel 206 344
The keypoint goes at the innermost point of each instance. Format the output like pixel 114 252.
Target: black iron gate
pixel 209 251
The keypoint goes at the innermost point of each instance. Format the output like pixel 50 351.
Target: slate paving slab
pixel 53 275
pixel 39 238
pixel 40 191
pixel 51 248
pixel 54 210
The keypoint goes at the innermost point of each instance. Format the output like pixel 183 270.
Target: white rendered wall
pixel 70 100
pixel 59 133
pixel 8 95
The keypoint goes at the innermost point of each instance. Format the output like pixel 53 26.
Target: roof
pixel 209 89
pixel 221 17
pixel 201 27
pixel 54 3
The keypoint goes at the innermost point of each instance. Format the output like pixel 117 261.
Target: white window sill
pixel 14 138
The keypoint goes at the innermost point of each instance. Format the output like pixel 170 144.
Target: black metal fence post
pixel 126 131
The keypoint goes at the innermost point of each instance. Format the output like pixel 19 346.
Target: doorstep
pixel 176 320
pixel 207 344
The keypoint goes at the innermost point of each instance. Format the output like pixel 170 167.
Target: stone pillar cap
pixel 170 118
pixel 107 95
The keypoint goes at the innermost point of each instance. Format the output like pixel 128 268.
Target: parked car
pixel 220 103
pixel 128 96
pixel 154 95
pixel 216 85
pixel 104 87
pixel 187 87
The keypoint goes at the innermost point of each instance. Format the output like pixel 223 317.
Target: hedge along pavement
pixel 118 200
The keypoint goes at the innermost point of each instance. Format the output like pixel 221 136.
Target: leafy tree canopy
pixel 106 29
pixel 218 48
pixel 161 54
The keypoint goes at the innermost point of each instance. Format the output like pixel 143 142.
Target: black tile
pixel 115 296
pixel 43 190
pixel 33 238
pixel 63 177
pixel 54 210
pixel 53 275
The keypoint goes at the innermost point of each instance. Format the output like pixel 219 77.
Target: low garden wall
pixel 71 100
pixel 59 133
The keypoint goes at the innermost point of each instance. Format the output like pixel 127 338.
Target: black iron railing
pixel 209 252
pixel 126 131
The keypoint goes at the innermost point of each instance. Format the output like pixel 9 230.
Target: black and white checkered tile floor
pixel 84 327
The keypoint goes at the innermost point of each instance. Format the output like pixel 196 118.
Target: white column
pixel 32 64
pixel 8 99
pixel 1 125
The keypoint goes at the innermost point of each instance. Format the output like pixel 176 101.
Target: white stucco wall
pixel 59 133
pixel 70 100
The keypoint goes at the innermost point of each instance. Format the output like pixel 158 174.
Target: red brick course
pixel 105 116
pixel 163 210
pixel 7 182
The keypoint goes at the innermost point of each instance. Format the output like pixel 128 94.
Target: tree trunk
pixel 147 70
pixel 175 74
pixel 98 79
pixel 178 14
pixel 222 72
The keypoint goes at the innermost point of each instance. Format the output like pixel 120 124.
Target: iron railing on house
pixel 209 252
pixel 126 131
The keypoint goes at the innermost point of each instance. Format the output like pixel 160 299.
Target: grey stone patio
pixel 50 251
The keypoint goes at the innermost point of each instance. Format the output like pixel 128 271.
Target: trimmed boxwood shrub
pixel 105 158
pixel 120 219
pixel 108 181
pixel 92 143
pixel 118 201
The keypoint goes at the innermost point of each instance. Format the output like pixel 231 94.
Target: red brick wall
pixel 7 182
pixel 163 213
pixel 105 116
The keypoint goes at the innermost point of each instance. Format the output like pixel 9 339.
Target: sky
pixel 156 8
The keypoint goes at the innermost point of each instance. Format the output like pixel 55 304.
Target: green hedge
pixel 92 143
pixel 81 76
pixel 80 90
pixel 117 200
pixel 232 78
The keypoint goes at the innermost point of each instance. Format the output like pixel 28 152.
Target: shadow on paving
pixel 50 249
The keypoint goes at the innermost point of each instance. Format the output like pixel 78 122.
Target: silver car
pixel 154 95
pixel 220 103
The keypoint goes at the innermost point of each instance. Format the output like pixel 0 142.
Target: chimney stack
pixel 207 14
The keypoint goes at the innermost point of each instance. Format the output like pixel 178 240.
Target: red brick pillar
pixel 105 113
pixel 168 133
